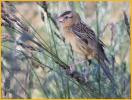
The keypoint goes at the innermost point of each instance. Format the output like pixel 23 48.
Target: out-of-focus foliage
pixel 30 71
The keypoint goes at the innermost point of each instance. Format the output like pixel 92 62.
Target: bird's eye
pixel 66 17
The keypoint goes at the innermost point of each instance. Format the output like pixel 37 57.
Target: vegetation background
pixel 40 69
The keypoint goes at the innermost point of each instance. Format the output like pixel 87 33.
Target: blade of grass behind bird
pixel 79 85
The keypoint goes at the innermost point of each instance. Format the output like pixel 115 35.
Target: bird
pixel 83 39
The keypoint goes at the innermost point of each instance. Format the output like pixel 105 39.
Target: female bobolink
pixel 83 39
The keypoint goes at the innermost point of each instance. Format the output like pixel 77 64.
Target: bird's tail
pixel 106 70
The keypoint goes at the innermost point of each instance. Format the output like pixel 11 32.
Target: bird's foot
pixel 85 74
pixel 72 68
pixel 86 79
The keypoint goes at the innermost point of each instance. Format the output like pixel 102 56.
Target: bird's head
pixel 68 19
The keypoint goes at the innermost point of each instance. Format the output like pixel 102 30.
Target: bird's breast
pixel 72 39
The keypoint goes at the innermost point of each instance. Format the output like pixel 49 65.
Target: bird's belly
pixel 84 50
pixel 79 47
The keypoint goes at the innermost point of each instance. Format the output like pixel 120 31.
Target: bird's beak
pixel 60 19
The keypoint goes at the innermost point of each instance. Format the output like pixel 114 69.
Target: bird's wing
pixel 87 35
pixel 83 28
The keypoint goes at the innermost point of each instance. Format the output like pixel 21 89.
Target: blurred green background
pixel 29 73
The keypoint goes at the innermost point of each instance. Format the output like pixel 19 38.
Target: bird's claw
pixel 85 74
pixel 72 68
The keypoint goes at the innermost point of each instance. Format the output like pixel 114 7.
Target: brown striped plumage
pixel 83 39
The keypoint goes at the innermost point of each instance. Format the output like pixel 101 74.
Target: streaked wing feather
pixel 87 35
pixel 86 32
pixel 89 41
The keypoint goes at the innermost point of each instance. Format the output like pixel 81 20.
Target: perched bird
pixel 83 39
